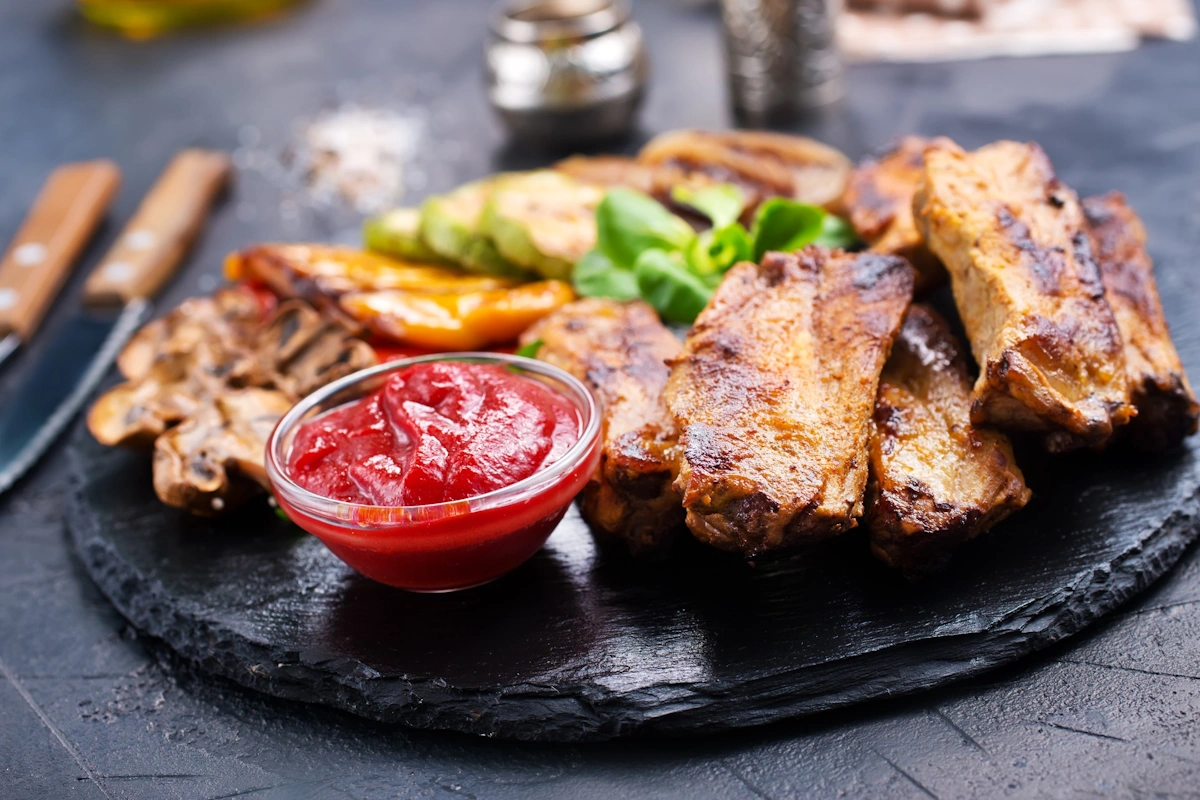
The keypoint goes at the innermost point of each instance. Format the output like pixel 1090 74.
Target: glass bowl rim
pixel 326 508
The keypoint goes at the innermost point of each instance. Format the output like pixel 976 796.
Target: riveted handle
pixel 66 213
pixel 155 241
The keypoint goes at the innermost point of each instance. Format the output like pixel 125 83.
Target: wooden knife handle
pixel 63 218
pixel 154 242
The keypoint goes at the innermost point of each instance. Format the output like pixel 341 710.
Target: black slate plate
pixel 579 644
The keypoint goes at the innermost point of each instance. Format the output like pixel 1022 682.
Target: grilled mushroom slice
pixel 213 461
pixel 226 314
pixel 219 381
pixel 197 351
pixel 300 350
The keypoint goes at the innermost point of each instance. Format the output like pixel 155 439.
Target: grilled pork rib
pixel 1015 243
pixel 937 480
pixel 1166 406
pixel 879 200
pixel 773 396
pixel 619 351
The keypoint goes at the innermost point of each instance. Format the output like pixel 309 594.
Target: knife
pixel 63 218
pixel 116 301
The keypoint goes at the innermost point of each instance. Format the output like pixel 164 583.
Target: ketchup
pixel 435 432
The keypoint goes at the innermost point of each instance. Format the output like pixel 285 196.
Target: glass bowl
pixel 442 546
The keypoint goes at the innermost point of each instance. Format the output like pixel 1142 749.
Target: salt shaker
pixel 782 56
pixel 566 71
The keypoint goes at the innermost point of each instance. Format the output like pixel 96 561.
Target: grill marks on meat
pixel 1028 290
pixel 879 201
pixel 619 351
pixel 773 395
pixel 762 164
pixel 1166 405
pixel 937 480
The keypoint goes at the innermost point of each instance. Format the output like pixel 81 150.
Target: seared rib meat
pixel 608 170
pixel 1166 406
pixel 619 350
pixel 879 200
pixel 937 480
pixel 1028 290
pixel 762 164
pixel 773 395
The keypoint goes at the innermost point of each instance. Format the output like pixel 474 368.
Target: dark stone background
pixel 88 709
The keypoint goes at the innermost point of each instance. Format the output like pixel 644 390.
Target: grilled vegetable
pixel 218 380
pixel 543 221
pixel 451 226
pixel 398 233
pixel 421 306
pixel 467 321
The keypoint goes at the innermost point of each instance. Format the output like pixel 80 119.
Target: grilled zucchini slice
pixel 543 221
pixel 397 233
pixel 450 225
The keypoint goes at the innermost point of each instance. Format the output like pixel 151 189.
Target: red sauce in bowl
pixel 436 432
pixel 442 474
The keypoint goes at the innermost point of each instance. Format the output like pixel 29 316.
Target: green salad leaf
pixel 785 225
pixel 722 204
pixel 628 223
pixel 716 251
pixel 596 275
pixel 643 250
pixel 665 282
pixel 837 232
pixel 530 350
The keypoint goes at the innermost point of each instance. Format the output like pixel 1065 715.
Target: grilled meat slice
pixel 1028 290
pixel 606 170
pixel 762 164
pixel 773 395
pixel 969 9
pixel 879 200
pixel 1166 406
pixel 619 351
pixel 937 480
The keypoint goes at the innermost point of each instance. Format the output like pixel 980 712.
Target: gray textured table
pixel 87 709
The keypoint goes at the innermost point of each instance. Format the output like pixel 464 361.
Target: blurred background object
pixel 782 57
pixel 140 19
pixel 951 8
pixel 566 71
pixel 942 30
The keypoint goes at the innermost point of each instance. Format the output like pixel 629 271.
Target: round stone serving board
pixel 579 644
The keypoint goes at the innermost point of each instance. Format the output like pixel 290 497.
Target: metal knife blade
pixel 61 381
pixel 8 346
pixel 62 219
pixel 116 302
